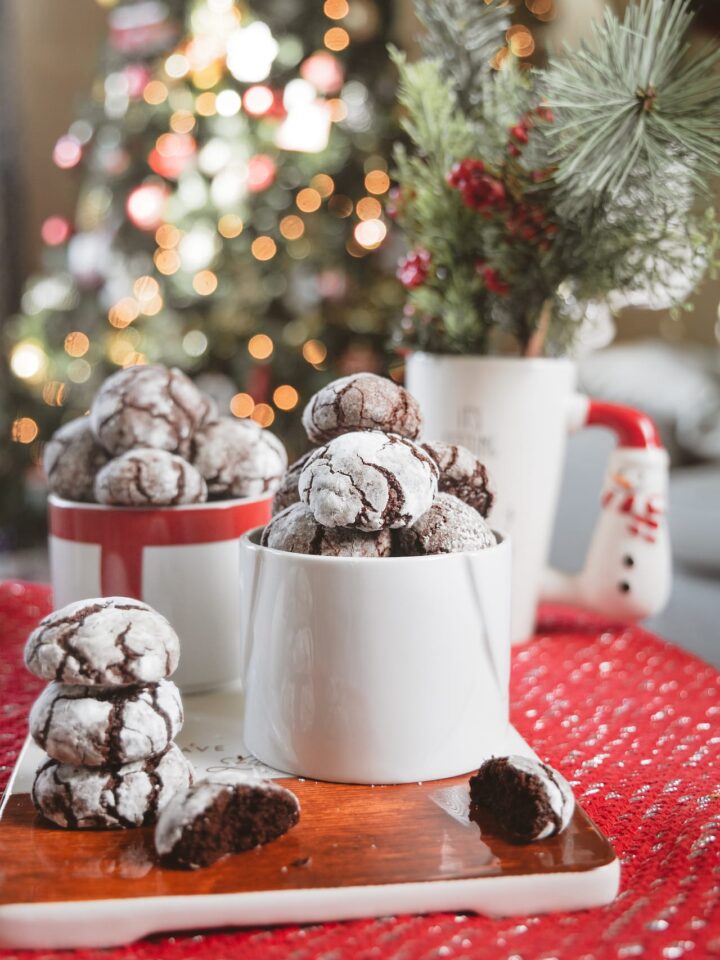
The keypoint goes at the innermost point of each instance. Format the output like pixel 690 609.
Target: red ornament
pixel 480 190
pixel 413 270
pixel 491 279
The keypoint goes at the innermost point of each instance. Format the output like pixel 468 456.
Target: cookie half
pixel 212 819
pixel 529 800
pixel 108 641
pixel 296 530
pixel 132 795
pixel 449 526
pixel 101 726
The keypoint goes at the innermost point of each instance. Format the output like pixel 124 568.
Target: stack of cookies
pixel 154 439
pixel 108 718
pixel 372 489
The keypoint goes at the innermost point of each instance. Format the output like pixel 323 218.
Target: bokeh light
pixel 260 347
pixel 370 233
pixel 77 344
pixel 314 351
pixel 263 414
pixel 286 397
pixel 24 430
pixel 55 230
pixel 242 405
pixel 28 361
pixel 336 9
pixel 377 181
pixel 263 248
pixel 122 314
pixel 368 208
pixel 258 99
pixel 308 200
pixel 292 227
pixel 205 282
pixel 336 39
pixel 230 225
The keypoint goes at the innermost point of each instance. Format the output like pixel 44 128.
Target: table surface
pixel 631 721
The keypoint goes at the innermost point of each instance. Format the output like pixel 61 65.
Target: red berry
pixel 519 133
pixel 545 113
pixel 491 278
pixel 514 151
pixel 413 269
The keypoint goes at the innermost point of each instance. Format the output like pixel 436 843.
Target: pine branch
pixel 463 36
pixel 630 103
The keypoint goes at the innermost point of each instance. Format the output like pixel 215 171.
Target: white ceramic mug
pixel 184 561
pixel 516 415
pixel 365 670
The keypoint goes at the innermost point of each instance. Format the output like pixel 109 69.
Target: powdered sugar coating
pixel 188 805
pixel 85 798
pixel 449 526
pixel 287 492
pixel 238 458
pixel 144 477
pixel 108 641
pixel 96 726
pixel 71 459
pixel 362 401
pixel 149 406
pixel 462 475
pixel 558 792
pixel 369 481
pixel 296 530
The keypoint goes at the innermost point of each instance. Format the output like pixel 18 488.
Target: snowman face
pixel 640 478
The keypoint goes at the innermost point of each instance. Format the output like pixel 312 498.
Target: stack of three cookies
pixel 373 489
pixel 108 718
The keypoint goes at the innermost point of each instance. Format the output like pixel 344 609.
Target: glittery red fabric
pixel 630 720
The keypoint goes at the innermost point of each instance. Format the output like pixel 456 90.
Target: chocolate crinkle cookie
pixel 131 795
pixel 101 726
pixel 449 526
pixel 71 460
pixel 462 475
pixel 238 458
pixel 369 481
pixel 362 401
pixel 210 820
pixel 296 530
pixel 287 492
pixel 109 641
pixel 149 406
pixel 528 799
pixel 144 477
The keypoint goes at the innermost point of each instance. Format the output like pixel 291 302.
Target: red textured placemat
pixel 630 720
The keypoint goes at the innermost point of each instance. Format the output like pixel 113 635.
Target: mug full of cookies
pixel 376 601
pixel 150 495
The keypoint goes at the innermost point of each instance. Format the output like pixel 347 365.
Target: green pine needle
pixel 630 102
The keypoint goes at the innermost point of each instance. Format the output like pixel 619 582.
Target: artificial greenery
pixel 527 194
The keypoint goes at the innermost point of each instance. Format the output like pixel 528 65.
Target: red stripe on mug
pixel 123 532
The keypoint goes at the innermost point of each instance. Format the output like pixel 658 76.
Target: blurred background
pixel 203 182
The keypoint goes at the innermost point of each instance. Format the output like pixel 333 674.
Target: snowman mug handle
pixel 627 574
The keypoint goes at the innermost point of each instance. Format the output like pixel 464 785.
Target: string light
pixel 260 347
pixel 336 39
pixel 292 227
pixel 205 104
pixel 230 226
pixel 340 205
pixel 122 314
pixel 167 261
pixel 370 233
pixel 336 9
pixel 314 351
pixel 24 430
pixel 323 184
pixel 263 248
pixel 521 41
pixel 377 181
pixel 54 393
pixel 263 414
pixel 205 282
pixel 195 343
pixel 28 361
pixel 258 99
pixel 55 231
pixel 79 371
pixel 308 200
pixel 145 288
pixel 286 397
pixel 67 152
pixel 155 93
pixel 77 344
pixel 228 103
pixel 167 236
pixel 368 208
pixel 182 121
pixel 242 405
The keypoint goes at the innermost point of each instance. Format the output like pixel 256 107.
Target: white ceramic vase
pixel 516 414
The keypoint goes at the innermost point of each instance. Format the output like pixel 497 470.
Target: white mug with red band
pixel 184 561
pixel 516 414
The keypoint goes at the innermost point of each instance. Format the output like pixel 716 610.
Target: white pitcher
pixel 516 414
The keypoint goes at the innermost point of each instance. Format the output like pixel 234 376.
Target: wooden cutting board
pixel 357 851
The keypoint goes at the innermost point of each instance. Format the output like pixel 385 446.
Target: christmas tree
pixel 233 162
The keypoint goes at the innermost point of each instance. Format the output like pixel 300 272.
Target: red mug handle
pixel 627 570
